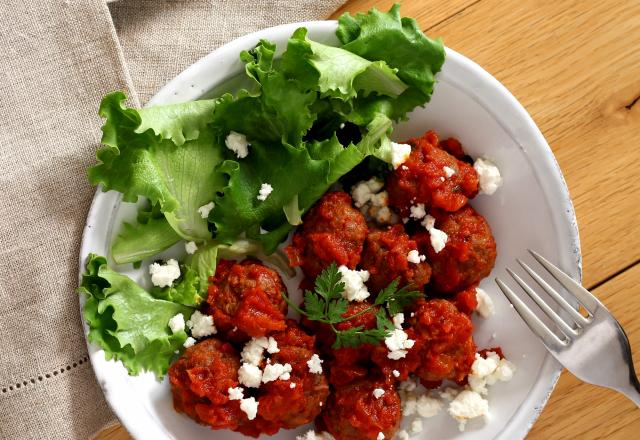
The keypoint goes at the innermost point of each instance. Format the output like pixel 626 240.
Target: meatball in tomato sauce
pixel 469 254
pixel 447 350
pixel 354 412
pixel 385 256
pixel 332 231
pixel 432 177
pixel 200 380
pixel 245 299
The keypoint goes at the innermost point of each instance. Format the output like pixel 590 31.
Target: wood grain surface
pixel 575 66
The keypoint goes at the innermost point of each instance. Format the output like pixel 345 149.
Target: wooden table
pixel 575 66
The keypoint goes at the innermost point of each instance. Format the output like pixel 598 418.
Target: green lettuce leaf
pixel 149 236
pixel 127 322
pixel 171 162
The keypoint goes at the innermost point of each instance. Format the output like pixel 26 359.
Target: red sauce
pixel 422 179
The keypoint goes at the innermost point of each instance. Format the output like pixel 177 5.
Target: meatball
pixel 332 231
pixel 246 299
pixel 469 254
pixel 447 350
pixel 431 176
pixel 385 257
pixel 403 366
pixel 199 381
pixel 293 407
pixel 466 301
pixel 354 413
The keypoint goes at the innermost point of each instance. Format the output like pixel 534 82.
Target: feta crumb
pixel 190 342
pixel 414 257
pixel 404 167
pixel 292 385
pixel 252 352
pixel 363 191
pixel 380 436
pixel 204 210
pixel 395 373
pixel 237 142
pixel 249 375
pixel 265 190
pixel 416 426
pixel 438 239
pixel 272 345
pixel 201 325
pixel 449 393
pixel 378 393
pixel 163 275
pixel 236 393
pixel 427 406
pixel 276 371
pixel 398 343
pixel 485 305
pixel 354 287
pixel 190 247
pixel 488 176
pixel 429 222
pixel 399 153
pixel 398 320
pixel 176 323
pixel 250 407
pixel 314 364
pixel 418 211
pixel 442 179
pixel 410 405
pixel 448 171
pixel 402 435
pixel 468 405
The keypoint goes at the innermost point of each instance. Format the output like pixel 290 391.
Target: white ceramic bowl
pixel 531 210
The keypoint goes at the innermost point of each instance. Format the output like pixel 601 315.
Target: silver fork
pixel 594 348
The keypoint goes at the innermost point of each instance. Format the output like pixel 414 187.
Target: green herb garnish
pixel 327 305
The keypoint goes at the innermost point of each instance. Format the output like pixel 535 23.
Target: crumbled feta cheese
pixel 404 167
pixel 250 407
pixel 409 405
pixel 163 275
pixel 276 371
pixel 395 373
pixel 416 426
pixel 354 287
pixel 249 375
pixel 236 393
pixel 383 215
pixel 312 435
pixel 237 142
pixel 408 385
pixel 505 371
pixel 292 385
pixel 176 323
pixel 448 171
pixel 488 176
pixel 190 247
pixel 252 352
pixel 417 211
pixel 398 320
pixel 201 325
pixel 442 179
pixel 485 305
pixel 314 364
pixel 399 153
pixel 449 393
pixel 363 191
pixel 468 405
pixel 438 239
pixel 272 345
pixel 190 342
pixel 398 343
pixel 427 406
pixel 402 435
pixel 429 222
pixel 414 257
pixel 265 190
pixel 380 436
pixel 204 210
pixel 378 393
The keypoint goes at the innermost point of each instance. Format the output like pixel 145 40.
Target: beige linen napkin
pixel 57 59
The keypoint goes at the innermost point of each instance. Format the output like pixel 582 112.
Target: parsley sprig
pixel 326 304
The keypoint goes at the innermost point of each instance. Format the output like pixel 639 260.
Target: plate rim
pixel 169 93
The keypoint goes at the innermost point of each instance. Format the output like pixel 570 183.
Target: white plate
pixel 531 210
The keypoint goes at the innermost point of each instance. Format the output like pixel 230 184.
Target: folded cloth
pixel 57 59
